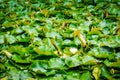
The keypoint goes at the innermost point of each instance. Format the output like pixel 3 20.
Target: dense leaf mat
pixel 59 40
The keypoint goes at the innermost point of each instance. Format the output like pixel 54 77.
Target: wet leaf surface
pixel 59 39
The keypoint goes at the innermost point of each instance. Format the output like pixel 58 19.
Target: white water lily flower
pixel 73 50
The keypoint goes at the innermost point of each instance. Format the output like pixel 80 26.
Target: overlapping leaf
pixel 59 39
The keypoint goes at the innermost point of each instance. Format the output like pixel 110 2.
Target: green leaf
pixel 85 76
pixel 112 64
pixel 39 40
pixel 43 50
pixel 53 35
pixel 89 60
pixel 2 68
pixel 102 24
pixel 67 42
pixel 22 38
pixel 31 31
pixel 22 51
pixel 1 39
pixel 56 63
pixel 25 75
pixel 118 56
pixel 14 74
pixel 41 67
pixel 19 59
pixel 102 52
pixel 72 75
pixel 105 73
pixel 73 61
pixel 10 39
pixel 112 41
pixel 17 31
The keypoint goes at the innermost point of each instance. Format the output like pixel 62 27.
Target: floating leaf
pixel 19 59
pixel 10 39
pixel 89 60
pixel 85 76
pixel 73 61
pixel 1 39
pixel 56 63
pixel 59 39
pixel 41 67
